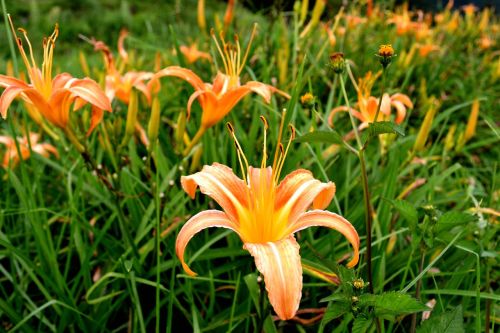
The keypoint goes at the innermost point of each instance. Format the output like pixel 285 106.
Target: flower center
pixel 260 222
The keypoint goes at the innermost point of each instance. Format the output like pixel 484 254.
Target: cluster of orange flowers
pixel 263 211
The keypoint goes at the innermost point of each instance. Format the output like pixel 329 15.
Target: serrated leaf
pixel 335 310
pixel 331 137
pixel 407 211
pixel 361 325
pixel 451 219
pixel 392 303
pixel 382 127
pixel 447 322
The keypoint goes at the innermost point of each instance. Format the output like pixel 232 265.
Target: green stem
pixel 417 293
pixel 158 257
pixel 355 128
pixel 368 218
pixel 381 95
pixel 194 141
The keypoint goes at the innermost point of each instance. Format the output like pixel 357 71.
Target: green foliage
pixel 446 322
pixel 77 255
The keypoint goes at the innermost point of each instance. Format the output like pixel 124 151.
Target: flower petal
pixel 202 220
pixel 7 81
pixel 338 109
pixel 220 183
pixel 97 114
pixel 280 264
pixel 265 90
pixel 89 91
pixel 183 73
pixel 299 190
pixel 8 95
pixel 321 218
pixel 400 111
pixel 403 99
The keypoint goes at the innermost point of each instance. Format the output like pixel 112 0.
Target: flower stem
pixel 194 141
pixel 368 218
pixel 417 293
pixel 355 128
pixel 381 95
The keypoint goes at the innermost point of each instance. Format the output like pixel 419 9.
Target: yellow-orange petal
pixel 338 109
pixel 403 99
pixel 260 180
pixel 202 220
pixel 221 184
pixel 183 73
pixel 400 111
pixel 208 103
pixel 97 114
pixel 89 91
pixel 280 264
pixel 299 190
pixel 8 95
pixel 121 49
pixel 322 218
pixel 7 81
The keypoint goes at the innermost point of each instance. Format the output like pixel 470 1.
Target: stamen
pixel 242 64
pixel 241 155
pixel 212 33
pixel 283 155
pixel 25 33
pixel 264 154
pixel 280 133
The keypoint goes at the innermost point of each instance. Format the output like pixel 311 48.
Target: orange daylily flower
pixel 192 54
pixel 11 157
pixel 217 99
pixel 425 49
pixel 119 85
pixel 52 97
pixel 265 213
pixel 367 104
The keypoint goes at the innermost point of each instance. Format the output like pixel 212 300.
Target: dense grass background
pixel 76 257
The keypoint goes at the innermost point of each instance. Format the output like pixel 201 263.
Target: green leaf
pixel 253 288
pixel 331 137
pixel 391 303
pixel 361 324
pixel 451 219
pixel 335 310
pixel 407 211
pixel 334 297
pixel 447 322
pixel 381 127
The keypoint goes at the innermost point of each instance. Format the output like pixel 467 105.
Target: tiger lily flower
pixel 52 97
pixel 192 54
pixel 367 105
pixel 119 85
pixel 265 213
pixel 11 157
pixel 220 97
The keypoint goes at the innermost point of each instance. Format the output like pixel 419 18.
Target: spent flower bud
pixel 337 62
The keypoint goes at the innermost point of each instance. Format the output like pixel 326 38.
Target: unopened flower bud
pixel 337 62
pixel 358 283
pixel 385 53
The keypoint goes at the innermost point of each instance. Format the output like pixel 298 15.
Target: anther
pixel 281 148
pixel 264 121
pixel 230 128
pixel 292 131
pixel 212 32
